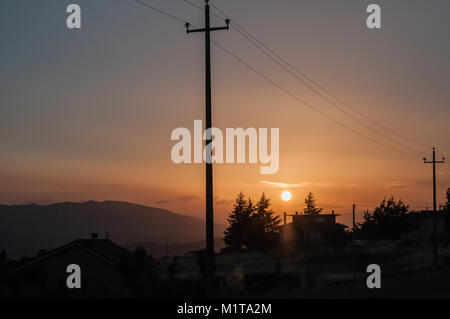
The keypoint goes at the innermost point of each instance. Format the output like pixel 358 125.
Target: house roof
pixel 104 249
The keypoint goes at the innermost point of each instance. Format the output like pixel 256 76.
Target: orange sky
pixel 88 115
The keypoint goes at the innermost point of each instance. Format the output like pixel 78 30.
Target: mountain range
pixel 26 229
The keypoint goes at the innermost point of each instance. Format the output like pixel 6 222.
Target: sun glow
pixel 286 195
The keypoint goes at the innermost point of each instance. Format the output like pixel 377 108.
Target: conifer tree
pixel 447 205
pixel 238 222
pixel 311 206
pixel 264 226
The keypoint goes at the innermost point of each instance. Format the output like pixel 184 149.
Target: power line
pixel 306 103
pixel 264 48
pixel 305 83
pixel 261 47
pixel 198 7
pixel 440 153
pixel 325 98
pixel 160 11
pixel 280 87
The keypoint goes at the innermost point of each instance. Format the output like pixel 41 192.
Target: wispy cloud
pixel 162 201
pixel 285 185
pixel 188 198
pixel 397 185
pixel 305 184
pixel 222 201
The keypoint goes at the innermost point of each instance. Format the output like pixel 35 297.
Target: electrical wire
pixel 272 54
pixel 279 86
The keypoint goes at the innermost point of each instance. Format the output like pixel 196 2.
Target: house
pixel 310 229
pixel 99 260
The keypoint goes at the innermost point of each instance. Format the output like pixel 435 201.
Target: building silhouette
pixel 99 259
pixel 310 230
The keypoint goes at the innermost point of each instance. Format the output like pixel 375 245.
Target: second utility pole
pixel 210 264
pixel 434 162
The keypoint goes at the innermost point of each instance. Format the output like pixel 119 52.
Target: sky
pixel 88 114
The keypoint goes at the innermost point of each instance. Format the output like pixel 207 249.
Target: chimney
pixel 94 236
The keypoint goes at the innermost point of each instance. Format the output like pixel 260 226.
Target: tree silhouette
pixel 246 223
pixel 251 226
pixel 264 213
pixel 388 220
pixel 310 205
pixel 264 226
pixel 236 234
pixel 447 205
pixel 447 211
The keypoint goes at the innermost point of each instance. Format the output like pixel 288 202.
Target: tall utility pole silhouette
pixel 210 264
pixel 434 162
pixel 354 244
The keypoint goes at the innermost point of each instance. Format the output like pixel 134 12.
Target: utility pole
pixel 210 264
pixel 354 244
pixel 434 162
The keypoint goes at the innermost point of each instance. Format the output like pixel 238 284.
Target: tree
pixel 251 226
pixel 387 221
pixel 447 205
pixel 239 219
pixel 447 211
pixel 310 205
pixel 263 226
pixel 270 221
pixel 246 221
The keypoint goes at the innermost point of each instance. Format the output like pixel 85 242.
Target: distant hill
pixel 158 250
pixel 25 229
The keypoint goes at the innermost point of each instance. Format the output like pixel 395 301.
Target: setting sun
pixel 286 195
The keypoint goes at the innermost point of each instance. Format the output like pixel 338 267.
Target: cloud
pixel 162 201
pixel 397 185
pixel 222 201
pixel 285 185
pixel 188 198
pixel 305 184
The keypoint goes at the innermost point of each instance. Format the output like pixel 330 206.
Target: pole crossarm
pixel 204 29
pixel 434 159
